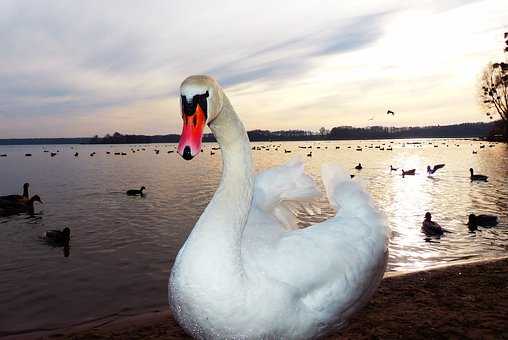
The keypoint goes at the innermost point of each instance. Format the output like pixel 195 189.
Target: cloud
pixel 113 63
pixel 293 57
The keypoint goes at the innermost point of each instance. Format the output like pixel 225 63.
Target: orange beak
pixel 192 133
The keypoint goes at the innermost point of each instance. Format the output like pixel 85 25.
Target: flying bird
pixel 436 167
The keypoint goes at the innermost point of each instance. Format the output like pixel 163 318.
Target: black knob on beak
pixel 187 153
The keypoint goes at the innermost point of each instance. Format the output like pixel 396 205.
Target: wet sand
pixel 467 301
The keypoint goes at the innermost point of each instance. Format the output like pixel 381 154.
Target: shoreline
pixel 467 300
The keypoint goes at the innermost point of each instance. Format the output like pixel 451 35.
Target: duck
pixel 482 220
pixel 309 154
pixel 408 172
pixel 247 270
pixel 477 177
pixel 58 237
pixel 436 167
pixel 393 169
pixel 23 204
pixel 359 166
pixel 430 227
pixel 135 192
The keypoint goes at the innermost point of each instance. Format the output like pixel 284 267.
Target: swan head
pixel 201 101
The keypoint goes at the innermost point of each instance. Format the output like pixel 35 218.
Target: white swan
pixel 245 272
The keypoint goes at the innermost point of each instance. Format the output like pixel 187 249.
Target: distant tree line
pixel 381 132
pixel 340 132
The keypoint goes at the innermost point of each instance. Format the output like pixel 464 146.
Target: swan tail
pixel 285 190
pixel 348 197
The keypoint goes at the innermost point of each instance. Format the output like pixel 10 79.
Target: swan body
pixel 246 270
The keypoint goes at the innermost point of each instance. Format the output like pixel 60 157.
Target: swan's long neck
pixel 213 249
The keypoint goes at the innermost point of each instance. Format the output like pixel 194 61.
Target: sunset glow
pixel 79 69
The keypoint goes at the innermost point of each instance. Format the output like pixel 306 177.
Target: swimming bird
pixel 53 154
pixel 247 271
pixel 309 154
pixel 28 155
pixel 477 177
pixel 23 204
pixel 135 192
pixel 359 166
pixel 58 237
pixel 408 172
pixel 3 155
pixel 430 227
pixel 482 220
pixel 436 167
pixel 390 112
pixel 76 154
pixel 393 169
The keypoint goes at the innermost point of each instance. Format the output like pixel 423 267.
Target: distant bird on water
pixel 58 237
pixel 390 112
pixel 408 172
pixel 76 154
pixel 436 167
pixel 478 177
pixel 359 166
pixel 482 221
pixel 393 169
pixel 135 192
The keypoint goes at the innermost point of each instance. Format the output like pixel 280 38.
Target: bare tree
pixel 494 91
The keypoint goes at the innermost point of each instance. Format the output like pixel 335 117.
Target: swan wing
pixel 284 190
pixel 333 266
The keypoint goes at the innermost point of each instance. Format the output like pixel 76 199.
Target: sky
pixel 80 68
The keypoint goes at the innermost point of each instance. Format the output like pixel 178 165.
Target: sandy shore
pixel 460 302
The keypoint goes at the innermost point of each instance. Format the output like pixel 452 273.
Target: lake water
pixel 122 247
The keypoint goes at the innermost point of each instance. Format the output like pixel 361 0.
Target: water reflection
pixel 123 247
